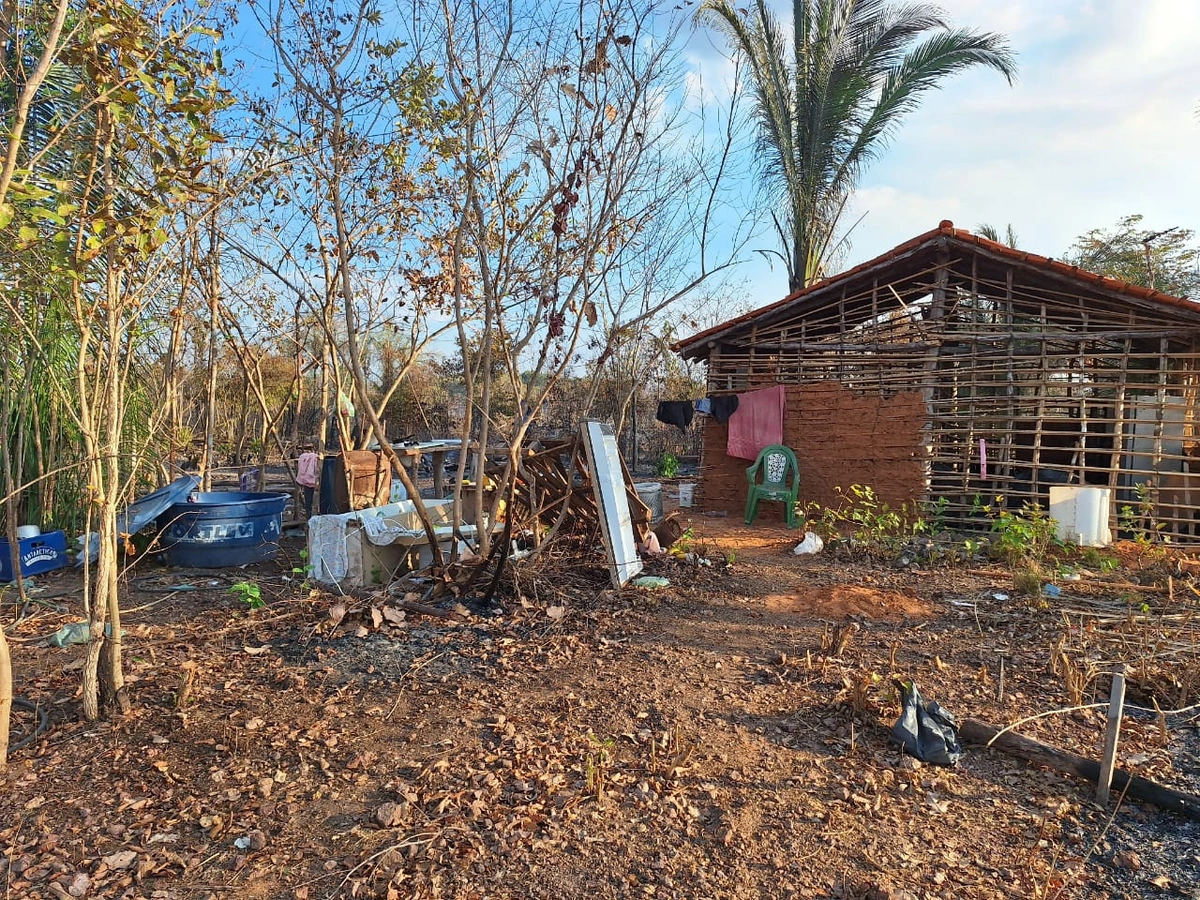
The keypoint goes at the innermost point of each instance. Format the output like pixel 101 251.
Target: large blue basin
pixel 222 528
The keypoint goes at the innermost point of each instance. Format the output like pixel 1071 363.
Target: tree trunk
pixel 212 284
pixel 356 366
pixel 6 696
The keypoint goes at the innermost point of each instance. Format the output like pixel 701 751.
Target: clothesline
pixel 755 417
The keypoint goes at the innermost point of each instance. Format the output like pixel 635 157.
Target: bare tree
pixel 575 160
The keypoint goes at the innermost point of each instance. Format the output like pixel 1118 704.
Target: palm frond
pixel 827 103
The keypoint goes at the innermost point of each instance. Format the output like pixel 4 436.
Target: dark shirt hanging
pixel 723 406
pixel 676 412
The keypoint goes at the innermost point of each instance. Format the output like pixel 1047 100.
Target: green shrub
pixel 667 466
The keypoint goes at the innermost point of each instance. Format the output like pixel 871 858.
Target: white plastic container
pixel 25 532
pixel 1082 514
pixel 686 494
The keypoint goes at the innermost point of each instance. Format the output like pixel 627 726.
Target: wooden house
pixel 956 367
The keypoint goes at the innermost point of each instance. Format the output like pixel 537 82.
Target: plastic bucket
pixel 650 493
pixel 686 495
pixel 222 528
pixel 1081 514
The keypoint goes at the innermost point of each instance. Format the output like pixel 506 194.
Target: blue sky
pixel 1103 121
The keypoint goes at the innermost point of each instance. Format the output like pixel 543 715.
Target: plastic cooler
pixel 43 553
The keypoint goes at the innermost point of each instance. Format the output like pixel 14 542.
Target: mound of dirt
pixel 840 601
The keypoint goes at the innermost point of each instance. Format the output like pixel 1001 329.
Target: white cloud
pixel 1100 123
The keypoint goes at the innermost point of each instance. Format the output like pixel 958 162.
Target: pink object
pixel 757 423
pixel 306 470
pixel 983 459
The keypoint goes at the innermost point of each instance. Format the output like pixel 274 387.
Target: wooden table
pixel 410 455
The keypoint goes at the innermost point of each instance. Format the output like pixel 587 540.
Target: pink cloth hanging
pixel 757 423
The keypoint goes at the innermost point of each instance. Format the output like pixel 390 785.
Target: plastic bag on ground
pixel 651 581
pixel 926 730
pixel 812 543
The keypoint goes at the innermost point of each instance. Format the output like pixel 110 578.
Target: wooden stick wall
pixel 1060 388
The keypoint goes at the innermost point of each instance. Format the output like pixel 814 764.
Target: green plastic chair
pixel 778 466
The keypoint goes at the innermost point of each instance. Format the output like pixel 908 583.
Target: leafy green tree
pixel 97 213
pixel 1167 260
pixel 830 95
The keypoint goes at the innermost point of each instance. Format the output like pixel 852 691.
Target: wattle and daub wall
pixel 840 438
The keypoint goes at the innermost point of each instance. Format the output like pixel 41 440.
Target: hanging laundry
pixel 704 407
pixel 675 412
pixel 757 423
pixel 723 406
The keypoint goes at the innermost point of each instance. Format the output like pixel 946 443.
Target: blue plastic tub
pixel 222 528
pixel 43 553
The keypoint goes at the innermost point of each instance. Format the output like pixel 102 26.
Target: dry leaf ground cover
pixel 693 742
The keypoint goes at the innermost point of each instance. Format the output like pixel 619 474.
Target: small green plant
pixel 305 569
pixel 932 516
pixel 862 519
pixel 1141 520
pixel 249 593
pixel 595 767
pixel 667 466
pixel 1026 535
pixel 1094 559
pixel 683 544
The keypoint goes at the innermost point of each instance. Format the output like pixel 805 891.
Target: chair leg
pixel 751 509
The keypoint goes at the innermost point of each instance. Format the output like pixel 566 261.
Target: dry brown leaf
pixel 122 859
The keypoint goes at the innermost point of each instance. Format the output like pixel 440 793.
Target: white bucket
pixel 1082 514
pixel 650 493
pixel 25 532
pixel 686 494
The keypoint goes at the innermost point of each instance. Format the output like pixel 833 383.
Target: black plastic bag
pixel 924 729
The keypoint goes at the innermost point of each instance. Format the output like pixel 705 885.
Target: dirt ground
pixel 702 741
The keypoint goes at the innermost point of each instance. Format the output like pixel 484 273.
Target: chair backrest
pixel 775 462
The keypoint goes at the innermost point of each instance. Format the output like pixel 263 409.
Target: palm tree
pixel 986 230
pixel 828 99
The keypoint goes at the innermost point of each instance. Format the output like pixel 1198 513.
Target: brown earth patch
pixel 843 600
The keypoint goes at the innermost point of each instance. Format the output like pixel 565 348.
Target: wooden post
pixel 1116 705
pixel 751 368
pixel 439 472
pixel 1119 421
pixel 937 309
pixel 1160 416
pixel 1010 391
pixel 1079 459
pixel 1035 484
pixel 841 350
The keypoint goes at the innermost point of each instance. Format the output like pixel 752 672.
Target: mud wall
pixel 840 437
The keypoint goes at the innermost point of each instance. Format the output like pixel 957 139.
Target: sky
pixel 1103 121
